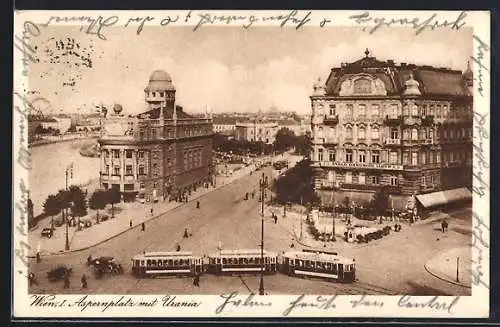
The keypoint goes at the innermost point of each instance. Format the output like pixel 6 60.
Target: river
pixel 49 163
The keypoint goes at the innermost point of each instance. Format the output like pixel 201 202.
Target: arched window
pixel 414 110
pixel 348 132
pixel 362 133
pixel 375 133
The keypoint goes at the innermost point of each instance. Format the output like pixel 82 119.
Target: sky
pixel 224 69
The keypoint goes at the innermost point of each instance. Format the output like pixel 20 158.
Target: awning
pixel 443 197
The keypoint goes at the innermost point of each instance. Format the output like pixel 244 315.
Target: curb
pixel 50 254
pixel 444 279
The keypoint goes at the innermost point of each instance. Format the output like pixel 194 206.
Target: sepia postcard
pixel 287 163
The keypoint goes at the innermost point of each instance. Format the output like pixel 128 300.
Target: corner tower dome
pixel 160 80
pixel 411 86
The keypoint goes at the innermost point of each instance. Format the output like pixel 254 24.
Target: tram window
pixel 170 262
pixel 245 261
pixel 224 261
pixel 240 261
pixel 308 264
pixel 346 267
pixel 181 262
pixel 250 260
pixel 148 262
pixel 334 268
pixel 142 262
pixel 160 263
pixel 176 262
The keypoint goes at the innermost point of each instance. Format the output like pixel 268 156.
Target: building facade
pixel 159 153
pixel 408 127
pixel 257 131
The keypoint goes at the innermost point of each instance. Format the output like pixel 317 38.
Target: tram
pixel 151 264
pixel 320 264
pixel 242 261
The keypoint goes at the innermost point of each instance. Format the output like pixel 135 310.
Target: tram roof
pixel 255 252
pixel 317 256
pixel 164 254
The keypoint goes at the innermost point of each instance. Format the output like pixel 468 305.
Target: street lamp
pixel 334 210
pixel 263 185
pixel 68 172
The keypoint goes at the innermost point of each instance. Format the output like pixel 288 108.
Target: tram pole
pixel 262 196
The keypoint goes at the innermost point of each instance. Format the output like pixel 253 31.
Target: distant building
pixel 257 131
pixel 162 152
pixel 406 127
pixel 60 122
pixel 224 124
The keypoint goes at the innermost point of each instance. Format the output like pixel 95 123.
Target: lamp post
pixel 334 208
pixel 68 172
pixel 263 185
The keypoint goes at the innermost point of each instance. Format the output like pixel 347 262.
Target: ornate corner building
pixel 159 153
pixel 408 127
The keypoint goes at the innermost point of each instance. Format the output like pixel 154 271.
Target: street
pixel 226 218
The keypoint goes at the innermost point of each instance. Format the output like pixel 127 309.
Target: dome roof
pixel 117 108
pixel 412 86
pixel 160 80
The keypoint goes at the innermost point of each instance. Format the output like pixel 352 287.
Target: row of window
pixel 413 133
pixel 438 111
pixel 361 178
pixel 408 158
pixel 161 94
pixel 192 159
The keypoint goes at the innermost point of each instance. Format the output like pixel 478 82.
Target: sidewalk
pixel 444 266
pixel 124 213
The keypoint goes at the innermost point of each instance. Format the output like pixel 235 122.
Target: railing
pixel 393 119
pixel 381 166
pixel 330 140
pixel 426 141
pixel 331 119
pixel 390 141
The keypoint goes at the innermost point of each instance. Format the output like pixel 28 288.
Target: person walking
pixel 151 211
pixel 178 248
pixel 32 279
pixel 84 281
pixel 130 223
pixel 186 235
pixel 198 204
pixel 89 259
pixel 143 227
pixel 38 257
pixel 66 281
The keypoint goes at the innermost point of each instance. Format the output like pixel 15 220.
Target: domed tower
pixel 411 86
pixel 160 89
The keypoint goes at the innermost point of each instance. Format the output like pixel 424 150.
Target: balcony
pixel 389 141
pixel 452 164
pixel 426 141
pixel 330 141
pixel 393 120
pixel 362 165
pixel 331 120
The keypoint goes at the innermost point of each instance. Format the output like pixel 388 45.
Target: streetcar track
pixel 245 284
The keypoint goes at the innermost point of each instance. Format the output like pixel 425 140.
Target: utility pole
pixel 334 212
pixel 458 262
pixel 263 185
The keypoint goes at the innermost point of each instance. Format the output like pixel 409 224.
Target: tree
pixel 380 201
pixel 51 207
pixel 113 196
pixel 303 145
pixel 285 139
pixel 79 202
pixel 64 202
pixel 98 201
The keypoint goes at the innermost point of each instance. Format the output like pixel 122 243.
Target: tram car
pixel 242 261
pixel 150 264
pixel 319 264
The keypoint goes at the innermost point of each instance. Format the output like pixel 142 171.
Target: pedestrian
pixel 178 247
pixel 197 204
pixel 380 221
pixel 38 257
pixel 253 195
pixel 143 227
pixel 84 281
pixel 130 223
pixel 275 219
pixel 151 211
pixel 89 260
pixel 66 281
pixel 32 279
pixel 186 235
pixel 442 226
